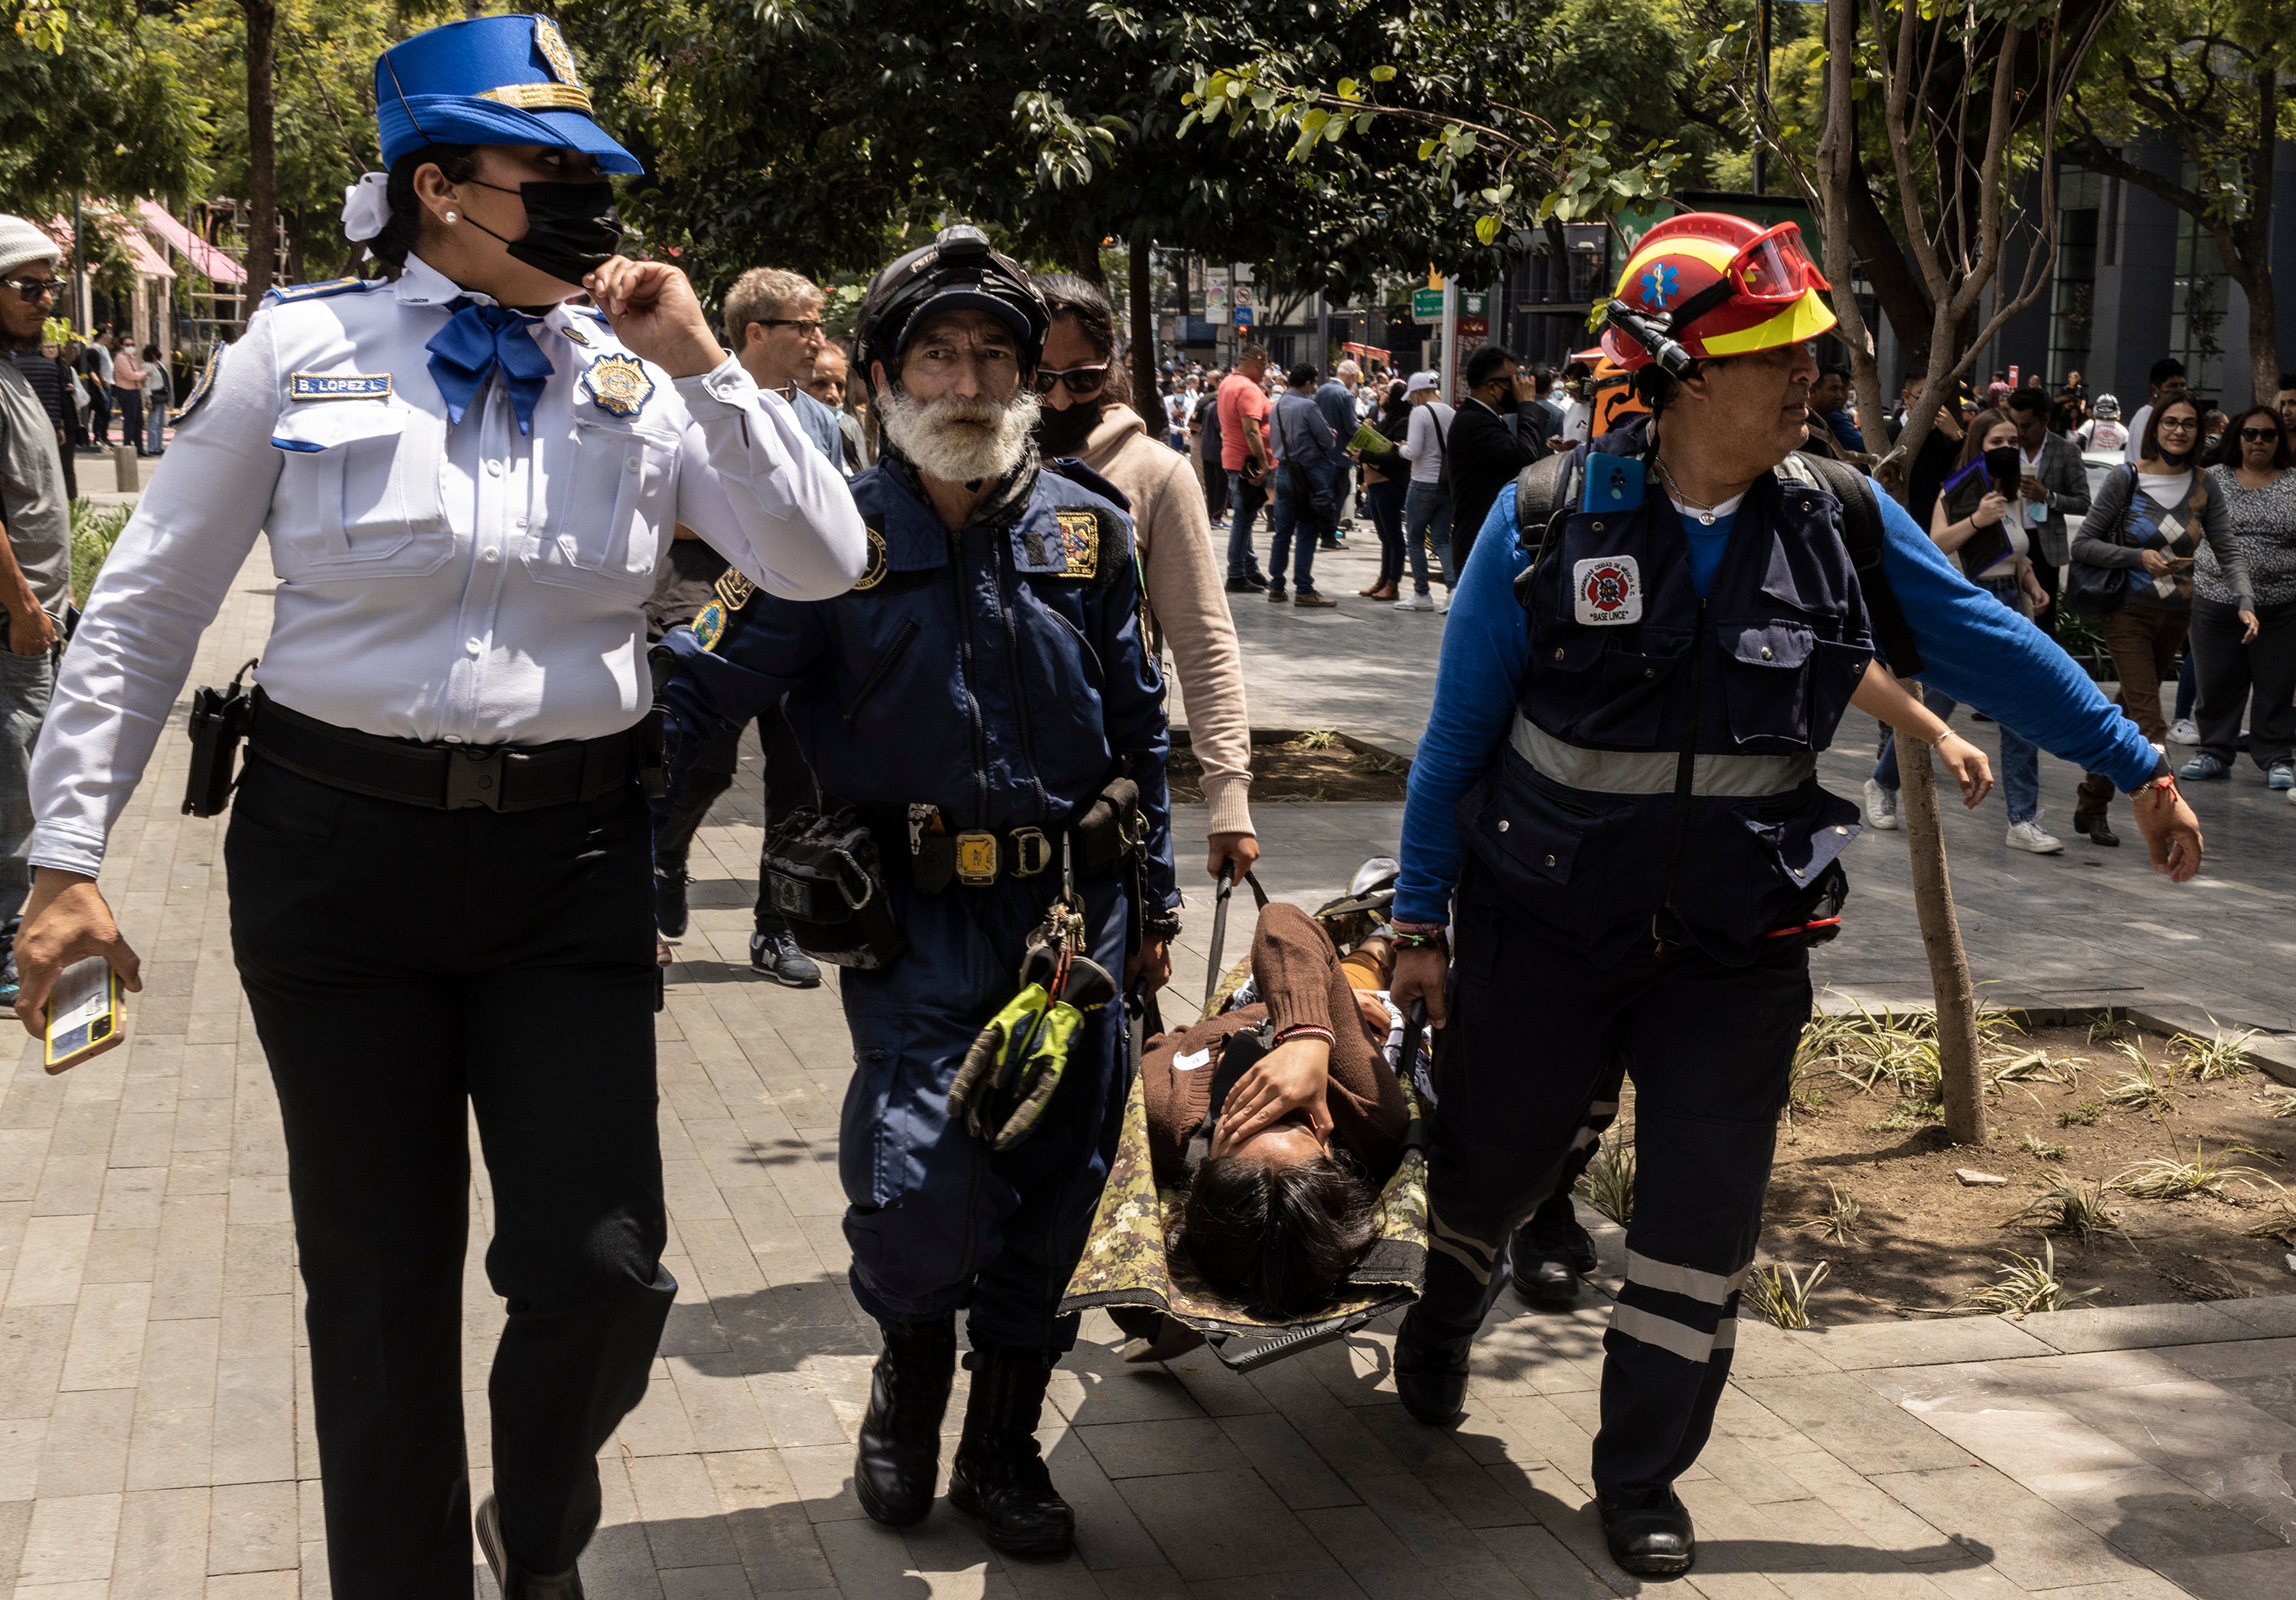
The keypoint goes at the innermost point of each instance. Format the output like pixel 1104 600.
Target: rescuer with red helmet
pixel 1615 813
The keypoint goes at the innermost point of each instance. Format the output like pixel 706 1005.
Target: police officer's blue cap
pixel 488 80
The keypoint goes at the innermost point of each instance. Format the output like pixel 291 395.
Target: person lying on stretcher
pixel 1283 1174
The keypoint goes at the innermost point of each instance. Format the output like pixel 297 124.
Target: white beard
pixel 960 441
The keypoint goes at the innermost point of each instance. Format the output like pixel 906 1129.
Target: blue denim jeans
pixel 1427 516
pixel 1293 529
pixel 1243 502
pixel 26 682
pixel 2021 758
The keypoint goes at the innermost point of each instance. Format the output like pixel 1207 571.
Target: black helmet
pixel 958 271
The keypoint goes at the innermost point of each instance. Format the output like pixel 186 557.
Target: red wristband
pixel 1312 1029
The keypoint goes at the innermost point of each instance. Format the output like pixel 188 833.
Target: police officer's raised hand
pixel 1419 975
pixel 653 310
pixel 65 919
pixel 2171 831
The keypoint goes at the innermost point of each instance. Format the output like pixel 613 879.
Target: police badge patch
pixel 873 573
pixel 710 625
pixel 620 385
pixel 1606 590
pixel 552 45
pixel 1080 541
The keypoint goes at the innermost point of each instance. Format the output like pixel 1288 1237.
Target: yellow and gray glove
pixel 1015 1063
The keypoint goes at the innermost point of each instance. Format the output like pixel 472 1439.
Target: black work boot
pixel 1000 1475
pixel 1650 1536
pixel 900 1435
pixel 1551 1254
pixel 515 1581
pixel 1431 1373
pixel 2097 828
pixel 1431 1346
pixel 670 912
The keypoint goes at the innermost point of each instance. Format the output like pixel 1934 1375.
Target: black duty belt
pixel 973 858
pixel 451 777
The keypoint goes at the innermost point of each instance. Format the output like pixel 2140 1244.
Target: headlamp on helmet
pixel 958 271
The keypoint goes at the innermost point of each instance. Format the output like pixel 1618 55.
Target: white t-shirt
pixel 1423 446
pixel 1577 418
pixel 2137 432
pixel 2098 434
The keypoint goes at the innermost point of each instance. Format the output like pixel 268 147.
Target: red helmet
pixel 1719 286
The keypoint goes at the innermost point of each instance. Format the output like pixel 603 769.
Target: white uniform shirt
pixel 441 582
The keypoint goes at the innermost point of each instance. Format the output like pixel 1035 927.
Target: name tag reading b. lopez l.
pixel 339 386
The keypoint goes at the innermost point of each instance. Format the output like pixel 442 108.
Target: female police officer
pixel 1623 747
pixel 437 859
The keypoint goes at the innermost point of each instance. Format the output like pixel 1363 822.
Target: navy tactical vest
pixel 1659 779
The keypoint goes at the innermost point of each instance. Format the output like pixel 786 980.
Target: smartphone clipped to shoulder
pixel 84 1015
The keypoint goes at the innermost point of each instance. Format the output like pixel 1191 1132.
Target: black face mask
pixel 571 229
pixel 1064 432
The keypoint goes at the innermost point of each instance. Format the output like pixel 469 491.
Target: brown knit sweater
pixel 1188 602
pixel 1301 980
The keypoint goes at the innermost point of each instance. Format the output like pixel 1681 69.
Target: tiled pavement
pixel 154 1425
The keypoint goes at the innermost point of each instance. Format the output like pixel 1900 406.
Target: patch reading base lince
pixel 1606 590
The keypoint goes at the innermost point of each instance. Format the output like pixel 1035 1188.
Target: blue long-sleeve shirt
pixel 1974 648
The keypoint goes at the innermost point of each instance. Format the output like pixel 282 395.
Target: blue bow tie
pixel 477 340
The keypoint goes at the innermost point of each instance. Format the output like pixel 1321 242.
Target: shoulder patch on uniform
pixel 339 386
pixel 873 573
pixel 201 386
pixel 709 625
pixel 1079 539
pixel 287 293
pixel 619 384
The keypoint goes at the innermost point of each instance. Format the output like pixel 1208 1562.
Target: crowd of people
pixel 551 539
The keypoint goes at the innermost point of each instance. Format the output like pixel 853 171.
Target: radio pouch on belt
pixel 823 876
pixel 219 720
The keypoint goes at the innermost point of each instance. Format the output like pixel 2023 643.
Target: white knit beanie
pixel 21 242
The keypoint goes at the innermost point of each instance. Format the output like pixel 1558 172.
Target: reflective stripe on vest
pixel 1652 772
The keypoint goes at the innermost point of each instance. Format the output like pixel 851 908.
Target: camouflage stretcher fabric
pixel 1126 1261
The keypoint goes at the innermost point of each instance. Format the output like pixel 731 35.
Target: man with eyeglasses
pixel 773 323
pixel 35 558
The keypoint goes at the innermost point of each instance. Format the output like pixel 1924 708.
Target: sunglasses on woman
pixel 2260 436
pixel 1082 383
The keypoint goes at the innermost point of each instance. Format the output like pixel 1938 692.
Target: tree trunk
pixel 262 156
pixel 1148 397
pixel 2263 316
pixel 1956 997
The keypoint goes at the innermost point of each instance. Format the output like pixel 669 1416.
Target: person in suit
pixel 1486 447
pixel 2053 493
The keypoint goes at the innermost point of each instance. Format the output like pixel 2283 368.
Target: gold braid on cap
pixel 539 97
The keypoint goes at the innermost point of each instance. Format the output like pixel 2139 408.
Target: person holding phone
pixel 440 880
pixel 2133 570
pixel 1978 521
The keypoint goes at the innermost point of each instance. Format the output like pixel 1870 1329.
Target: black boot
pixel 1000 1475
pixel 1552 1254
pixel 515 1581
pixel 2096 827
pixel 1431 1374
pixel 1654 1539
pixel 670 912
pixel 900 1436
pixel 1431 1346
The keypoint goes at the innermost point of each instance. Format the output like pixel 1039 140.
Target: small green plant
pixel 1317 738
pixel 1382 765
pixel 2283 1105
pixel 2035 1146
pixel 2083 1115
pixel 1908 1115
pixel 1609 1181
pixel 2069 1206
pixel 2165 1179
pixel 1783 1295
pixel 2218 1056
pixel 2278 1221
pixel 2027 1283
pixel 1838 1219
pixel 2104 1030
pixel 2147 1087
pixel 94 530
pixel 2034 1065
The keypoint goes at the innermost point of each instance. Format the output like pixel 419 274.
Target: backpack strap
pixel 1543 492
pixel 1862 535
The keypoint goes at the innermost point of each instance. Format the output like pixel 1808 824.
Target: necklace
pixel 1674 492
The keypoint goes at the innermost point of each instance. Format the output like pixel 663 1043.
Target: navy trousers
pixel 1710 1048
pixel 937 1220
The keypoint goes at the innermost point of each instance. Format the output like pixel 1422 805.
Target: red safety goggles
pixel 1775 267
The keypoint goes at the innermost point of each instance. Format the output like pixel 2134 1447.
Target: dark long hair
pixel 2228 449
pixel 1973 438
pixel 1282 1239
pixel 2150 448
pixel 458 162
pixel 1067 295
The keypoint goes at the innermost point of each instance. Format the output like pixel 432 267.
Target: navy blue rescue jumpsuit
pixel 999 674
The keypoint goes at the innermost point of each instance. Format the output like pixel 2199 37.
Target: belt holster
pixel 219 720
pixel 823 877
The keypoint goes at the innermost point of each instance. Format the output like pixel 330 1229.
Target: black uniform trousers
pixel 1537 1032
pixel 406 968
pixel 788 785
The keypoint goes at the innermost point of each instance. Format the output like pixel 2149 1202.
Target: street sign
pixel 1474 327
pixel 1471 304
pixel 1243 317
pixel 1427 305
pixel 1243 294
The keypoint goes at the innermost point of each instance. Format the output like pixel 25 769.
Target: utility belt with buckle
pixel 453 777
pixel 1099 841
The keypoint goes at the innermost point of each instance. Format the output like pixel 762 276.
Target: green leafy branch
pixel 1539 173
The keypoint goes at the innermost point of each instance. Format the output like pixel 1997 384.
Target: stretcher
pixel 1129 1263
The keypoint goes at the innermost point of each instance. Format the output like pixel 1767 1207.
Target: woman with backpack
pixel 2132 570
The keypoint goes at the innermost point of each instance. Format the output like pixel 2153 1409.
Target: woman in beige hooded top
pixel 1188 605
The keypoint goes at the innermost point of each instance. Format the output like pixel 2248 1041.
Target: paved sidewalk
pixel 155 1441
